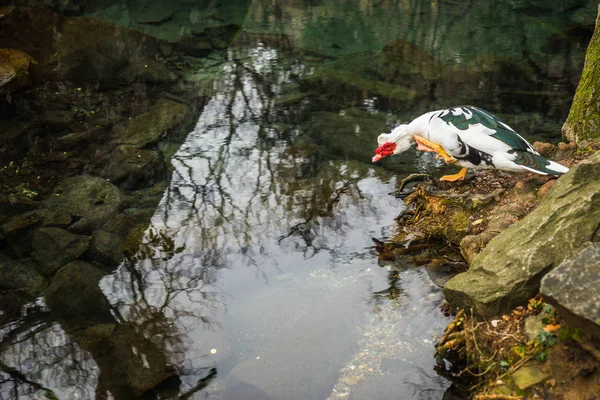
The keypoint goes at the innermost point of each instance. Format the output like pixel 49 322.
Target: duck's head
pixel 395 142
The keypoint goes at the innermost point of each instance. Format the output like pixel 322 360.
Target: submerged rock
pixel 14 70
pixel 572 288
pixel 20 275
pixel 147 128
pixel 91 199
pixel 508 272
pixel 74 297
pixel 55 247
pixel 584 118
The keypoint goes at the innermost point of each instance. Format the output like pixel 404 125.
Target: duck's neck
pixel 420 125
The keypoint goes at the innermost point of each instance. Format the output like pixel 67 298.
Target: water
pixel 226 251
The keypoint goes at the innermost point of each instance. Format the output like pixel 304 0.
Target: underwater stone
pixel 20 275
pixel 91 198
pixel 147 128
pixel 573 288
pixel 14 70
pixel 55 247
pixel 106 248
pixel 131 168
pixel 508 271
pixel 75 298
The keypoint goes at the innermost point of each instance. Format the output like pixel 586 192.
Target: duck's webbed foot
pixel 427 145
pixel 410 178
pixel 460 176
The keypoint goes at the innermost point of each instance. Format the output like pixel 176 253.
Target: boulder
pixel 91 199
pixel 584 118
pixel 75 298
pixel 20 275
pixel 55 247
pixel 147 128
pixel 508 272
pixel 572 288
pixel 106 248
pixel 14 70
pixel 131 167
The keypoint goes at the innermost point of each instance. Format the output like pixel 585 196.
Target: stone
pixel 533 325
pixel 573 288
pixel 583 121
pixel 13 204
pixel 147 128
pixel 91 199
pixel 529 375
pixel 14 70
pixel 55 247
pixel 543 190
pixel 75 299
pixel 24 220
pixel 508 271
pixel 20 275
pixel 131 167
pixel 106 248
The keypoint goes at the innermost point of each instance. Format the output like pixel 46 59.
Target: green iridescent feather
pixel 480 117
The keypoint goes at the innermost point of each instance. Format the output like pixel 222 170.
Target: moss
pixel 584 118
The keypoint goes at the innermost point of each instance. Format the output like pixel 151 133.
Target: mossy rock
pixel 584 118
pixel 75 299
pixel 508 271
pixel 14 70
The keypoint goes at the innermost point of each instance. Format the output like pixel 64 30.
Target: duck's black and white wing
pixel 481 139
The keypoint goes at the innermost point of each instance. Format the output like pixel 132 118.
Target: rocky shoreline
pixel 527 318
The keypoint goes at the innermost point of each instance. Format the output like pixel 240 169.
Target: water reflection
pixel 250 205
pixel 256 273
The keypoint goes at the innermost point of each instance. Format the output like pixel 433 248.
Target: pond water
pixel 188 201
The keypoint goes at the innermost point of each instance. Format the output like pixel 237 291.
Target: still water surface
pixel 255 276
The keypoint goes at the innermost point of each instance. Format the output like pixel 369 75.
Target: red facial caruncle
pixel 386 149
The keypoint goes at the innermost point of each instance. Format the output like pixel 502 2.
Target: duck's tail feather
pixel 538 164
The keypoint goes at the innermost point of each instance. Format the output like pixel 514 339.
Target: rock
pixel 92 199
pixel 508 272
pixel 583 121
pixel 149 127
pixel 545 149
pixel 573 288
pixel 20 275
pixel 533 325
pixel 75 299
pixel 543 190
pixel 55 247
pixel 24 220
pixel 14 70
pixel 106 248
pixel 46 217
pixel 131 362
pixel 70 140
pixel 529 375
pixel 131 167
pixel 502 218
pixel 13 204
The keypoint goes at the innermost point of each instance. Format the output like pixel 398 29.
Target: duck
pixel 468 137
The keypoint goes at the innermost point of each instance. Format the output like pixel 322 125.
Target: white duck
pixel 468 137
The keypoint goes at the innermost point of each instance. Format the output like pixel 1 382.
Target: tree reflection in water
pixel 248 187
